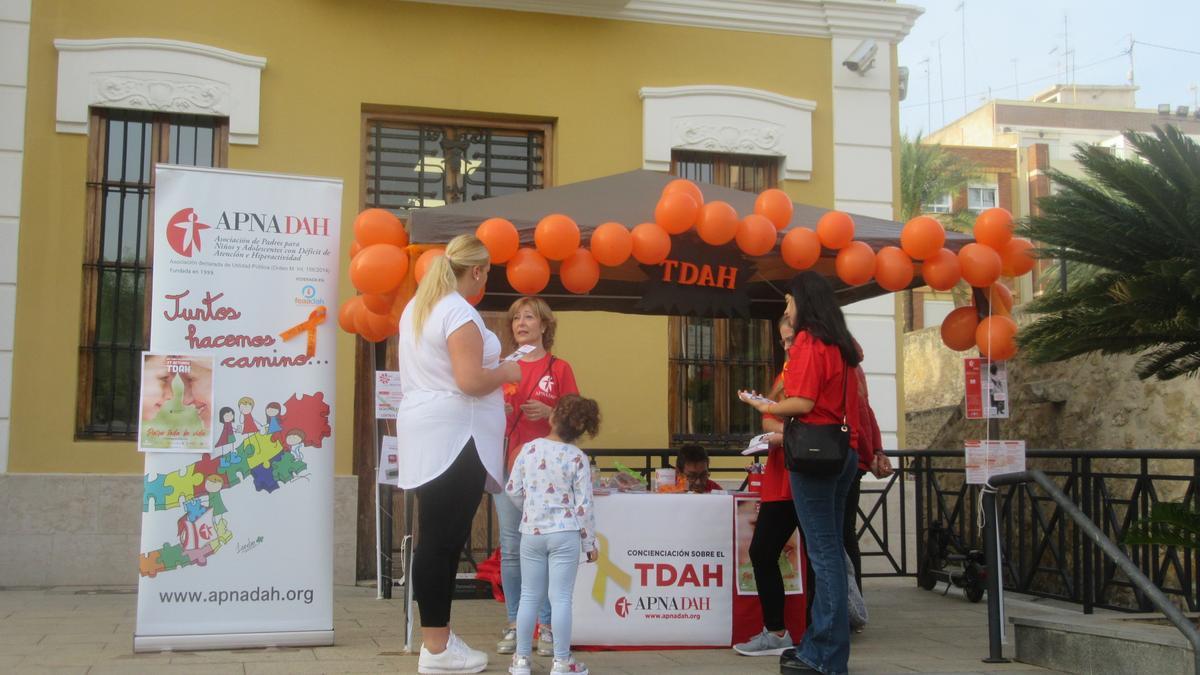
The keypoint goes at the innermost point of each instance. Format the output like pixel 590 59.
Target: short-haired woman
pixel 450 425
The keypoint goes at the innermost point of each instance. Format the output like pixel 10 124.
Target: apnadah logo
pixel 622 607
pixel 183 232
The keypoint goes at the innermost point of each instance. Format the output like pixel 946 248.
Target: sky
pixel 1031 32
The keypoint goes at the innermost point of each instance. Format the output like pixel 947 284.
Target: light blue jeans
pixel 549 563
pixel 509 515
pixel 821 507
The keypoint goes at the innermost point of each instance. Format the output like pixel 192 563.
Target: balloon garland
pixel 380 258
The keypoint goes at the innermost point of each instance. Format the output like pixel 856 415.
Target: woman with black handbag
pixel 820 397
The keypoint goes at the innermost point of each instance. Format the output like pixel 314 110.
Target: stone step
pixel 1102 643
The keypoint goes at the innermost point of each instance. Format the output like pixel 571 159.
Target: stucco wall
pixel 1090 402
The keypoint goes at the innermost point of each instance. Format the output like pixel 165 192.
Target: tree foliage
pixel 1137 222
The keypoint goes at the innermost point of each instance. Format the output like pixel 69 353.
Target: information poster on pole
pixel 387 394
pixel 987 388
pixel 985 459
pixel 237 540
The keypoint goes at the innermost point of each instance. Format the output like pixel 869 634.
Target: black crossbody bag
pixel 818 449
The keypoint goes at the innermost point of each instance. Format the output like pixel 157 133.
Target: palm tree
pixel 926 173
pixel 1136 222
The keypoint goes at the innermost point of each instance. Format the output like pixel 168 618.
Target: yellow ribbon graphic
pixel 310 325
pixel 606 569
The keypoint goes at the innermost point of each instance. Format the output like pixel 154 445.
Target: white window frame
pixel 943 204
pixel 975 206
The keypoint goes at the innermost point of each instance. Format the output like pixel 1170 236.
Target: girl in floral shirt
pixel 552 482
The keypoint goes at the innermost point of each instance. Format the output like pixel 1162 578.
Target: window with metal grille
pixel 124 146
pixel 711 359
pixel 414 162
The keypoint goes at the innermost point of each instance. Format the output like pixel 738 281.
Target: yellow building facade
pixel 298 78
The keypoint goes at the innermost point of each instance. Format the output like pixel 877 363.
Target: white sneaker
pixel 570 666
pixel 545 642
pixel 508 641
pixel 521 665
pixel 765 643
pixel 457 657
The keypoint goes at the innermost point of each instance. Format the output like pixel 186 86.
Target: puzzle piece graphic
pixel 208 466
pixel 149 565
pixel 264 480
pixel 195 508
pixel 223 535
pixel 263 449
pixel 199 556
pixel 234 467
pixel 285 466
pixel 155 490
pixel 184 484
pixel 171 556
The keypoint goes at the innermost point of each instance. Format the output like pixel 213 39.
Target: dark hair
pixel 690 454
pixel 274 405
pixel 818 313
pixel 575 416
pixel 221 414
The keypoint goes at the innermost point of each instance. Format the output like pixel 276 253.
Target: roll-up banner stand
pixel 237 542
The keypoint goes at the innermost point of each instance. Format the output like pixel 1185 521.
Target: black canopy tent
pixel 629 198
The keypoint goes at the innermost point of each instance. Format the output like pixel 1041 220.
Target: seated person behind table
pixel 691 466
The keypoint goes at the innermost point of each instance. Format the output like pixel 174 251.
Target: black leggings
pixel 446 507
pixel 776 523
pixel 850 527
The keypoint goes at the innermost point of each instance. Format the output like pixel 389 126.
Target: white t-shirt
pixel 435 419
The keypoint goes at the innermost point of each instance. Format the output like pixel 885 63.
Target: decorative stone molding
pixel 727 119
pixel 814 18
pixel 161 76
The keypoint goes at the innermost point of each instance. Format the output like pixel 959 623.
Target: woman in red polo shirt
pixel 545 379
pixel 820 390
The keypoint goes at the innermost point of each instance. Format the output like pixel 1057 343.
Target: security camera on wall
pixel 862 58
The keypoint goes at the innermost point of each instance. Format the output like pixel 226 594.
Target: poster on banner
pixel 175 413
pixel 987 388
pixel 387 394
pixel 745 511
pixel 668 581
pixel 237 540
pixel 985 459
pixel 389 469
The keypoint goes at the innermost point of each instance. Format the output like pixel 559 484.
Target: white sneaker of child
pixel 457 657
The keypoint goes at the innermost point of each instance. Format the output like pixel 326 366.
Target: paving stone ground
pixel 81 630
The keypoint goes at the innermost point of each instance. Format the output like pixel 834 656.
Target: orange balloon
pixel 500 237
pixel 893 269
pixel 424 260
pixel 379 304
pixel 611 244
pixel 836 229
pixel 775 206
pixel 755 235
pixel 941 271
pixel 980 265
pixel 556 236
pixel 382 325
pixel 958 329
pixel 1015 260
pixel 349 310
pixel 478 298
pixel 580 273
pixel 999 298
pixel 379 226
pixel 676 212
pixel 378 268
pixel 717 224
pixel 996 338
pixel 651 244
pixel 801 248
pixel 355 247
pixel 685 186
pixel 855 263
pixel 994 227
pixel 922 237
pixel 528 272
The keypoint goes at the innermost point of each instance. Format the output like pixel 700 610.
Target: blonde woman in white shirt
pixel 450 428
pixel 552 481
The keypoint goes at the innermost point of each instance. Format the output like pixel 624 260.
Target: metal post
pixel 1089 551
pixel 991 545
pixel 385 539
